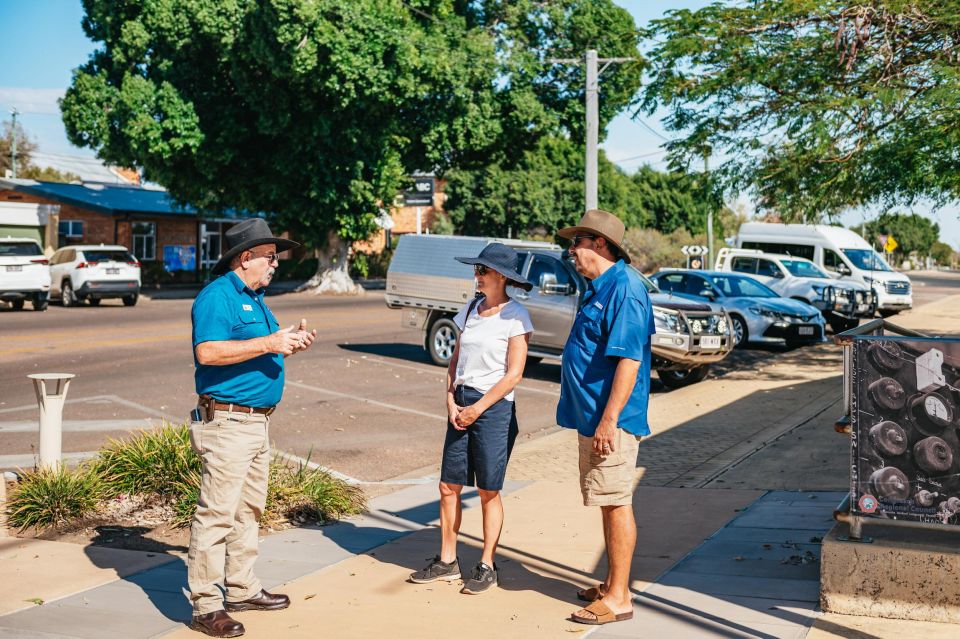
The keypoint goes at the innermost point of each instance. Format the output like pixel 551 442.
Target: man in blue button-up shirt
pixel 604 391
pixel 238 349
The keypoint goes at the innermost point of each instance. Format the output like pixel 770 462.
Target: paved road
pixel 364 401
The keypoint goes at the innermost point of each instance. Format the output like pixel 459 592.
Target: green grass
pixel 156 461
pixel 55 497
pixel 161 463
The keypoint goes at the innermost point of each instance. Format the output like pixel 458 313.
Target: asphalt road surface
pixel 364 401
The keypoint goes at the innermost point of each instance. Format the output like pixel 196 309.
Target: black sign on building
pixel 421 192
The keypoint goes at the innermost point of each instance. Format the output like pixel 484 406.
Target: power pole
pixel 13 146
pixel 593 117
pixel 706 172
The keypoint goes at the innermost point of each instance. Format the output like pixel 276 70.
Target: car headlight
pixel 665 320
pixel 859 295
pixel 722 326
pixel 756 310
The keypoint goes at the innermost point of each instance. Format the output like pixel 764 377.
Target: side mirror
pixel 778 274
pixel 708 293
pixel 843 270
pixel 548 285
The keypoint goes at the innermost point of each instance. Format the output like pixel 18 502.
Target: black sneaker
pixel 437 570
pixel 483 579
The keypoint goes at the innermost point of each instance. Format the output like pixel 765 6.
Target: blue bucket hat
pixel 502 259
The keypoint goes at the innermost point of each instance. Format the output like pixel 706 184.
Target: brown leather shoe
pixel 217 624
pixel 262 601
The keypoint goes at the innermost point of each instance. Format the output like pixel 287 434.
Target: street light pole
pixel 593 124
pixel 13 145
pixel 711 256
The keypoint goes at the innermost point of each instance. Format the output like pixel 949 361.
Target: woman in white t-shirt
pixel 487 364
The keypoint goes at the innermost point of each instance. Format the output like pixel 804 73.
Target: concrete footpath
pixel 734 499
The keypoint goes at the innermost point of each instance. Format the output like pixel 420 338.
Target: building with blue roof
pixel 146 220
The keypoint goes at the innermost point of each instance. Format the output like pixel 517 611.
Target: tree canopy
pixel 316 110
pixel 815 105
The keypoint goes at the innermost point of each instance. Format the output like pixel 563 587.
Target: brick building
pixel 161 234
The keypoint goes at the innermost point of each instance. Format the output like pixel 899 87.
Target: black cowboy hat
pixel 244 236
pixel 502 259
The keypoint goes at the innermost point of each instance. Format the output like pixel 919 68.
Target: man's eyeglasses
pixel 480 269
pixel 577 238
pixel 271 257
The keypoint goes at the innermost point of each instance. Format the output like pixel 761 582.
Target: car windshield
pixel 803 268
pixel 741 287
pixel 650 286
pixel 17 249
pixel 866 259
pixel 108 256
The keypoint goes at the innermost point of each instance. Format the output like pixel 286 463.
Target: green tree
pixel 943 253
pixel 315 110
pixel 675 200
pixel 814 105
pixel 913 233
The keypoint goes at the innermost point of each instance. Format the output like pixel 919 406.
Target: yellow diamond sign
pixel 891 245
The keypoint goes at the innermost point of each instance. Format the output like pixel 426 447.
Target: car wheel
pixel 741 334
pixel 67 295
pixel 679 379
pixel 130 300
pixel 442 340
pixel 17 305
pixel 40 302
pixel 94 301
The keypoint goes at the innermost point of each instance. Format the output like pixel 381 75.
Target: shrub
pixel 652 250
pixel 54 497
pixel 158 461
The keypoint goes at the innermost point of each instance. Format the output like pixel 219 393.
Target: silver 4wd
pixel 427 282
pixel 842 303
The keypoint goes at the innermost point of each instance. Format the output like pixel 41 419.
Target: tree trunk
pixel 333 274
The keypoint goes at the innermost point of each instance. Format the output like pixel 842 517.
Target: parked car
pixel 842 303
pixel 425 281
pixel 758 315
pixel 93 273
pixel 24 274
pixel 839 251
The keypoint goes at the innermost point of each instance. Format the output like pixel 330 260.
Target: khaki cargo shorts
pixel 609 480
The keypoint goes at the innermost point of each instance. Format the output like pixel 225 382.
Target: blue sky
pixel 41 42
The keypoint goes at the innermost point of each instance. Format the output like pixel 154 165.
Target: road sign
pixel 692 249
pixel 890 245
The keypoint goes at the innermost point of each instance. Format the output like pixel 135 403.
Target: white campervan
pixel 843 253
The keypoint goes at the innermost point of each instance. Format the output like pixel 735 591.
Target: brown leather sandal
pixel 601 615
pixel 591 594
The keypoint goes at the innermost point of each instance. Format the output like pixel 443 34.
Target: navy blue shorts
pixel 478 456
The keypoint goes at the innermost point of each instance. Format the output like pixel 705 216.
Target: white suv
pixel 92 273
pixel 24 273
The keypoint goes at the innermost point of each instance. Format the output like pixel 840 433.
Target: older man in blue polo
pixel 604 391
pixel 239 351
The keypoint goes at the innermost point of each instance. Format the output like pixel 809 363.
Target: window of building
pixel 144 240
pixel 69 232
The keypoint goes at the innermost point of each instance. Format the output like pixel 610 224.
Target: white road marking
pixel 442 371
pixel 81 425
pixel 100 399
pixel 365 400
pixel 353 480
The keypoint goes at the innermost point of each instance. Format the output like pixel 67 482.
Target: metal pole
pixel 710 255
pixel 13 146
pixel 593 126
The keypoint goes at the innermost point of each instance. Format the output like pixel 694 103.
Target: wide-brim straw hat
pixel 502 259
pixel 246 235
pixel 602 223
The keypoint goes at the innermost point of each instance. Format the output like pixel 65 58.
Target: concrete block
pixel 906 573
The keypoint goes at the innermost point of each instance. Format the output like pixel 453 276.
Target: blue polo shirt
pixel 227 309
pixel 615 321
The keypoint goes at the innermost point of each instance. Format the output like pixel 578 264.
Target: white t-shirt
pixel 483 344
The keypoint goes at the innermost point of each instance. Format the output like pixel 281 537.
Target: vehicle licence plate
pixel 806 330
pixel 113 271
pixel 15 268
pixel 710 341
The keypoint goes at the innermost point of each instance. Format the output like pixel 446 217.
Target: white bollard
pixel 51 391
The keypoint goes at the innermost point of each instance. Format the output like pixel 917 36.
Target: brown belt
pixel 212 404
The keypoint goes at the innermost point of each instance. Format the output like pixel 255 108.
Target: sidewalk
pixel 717 554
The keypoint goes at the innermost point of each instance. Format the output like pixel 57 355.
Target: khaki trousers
pixel 235 451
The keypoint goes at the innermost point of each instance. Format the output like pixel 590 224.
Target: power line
pixel 652 130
